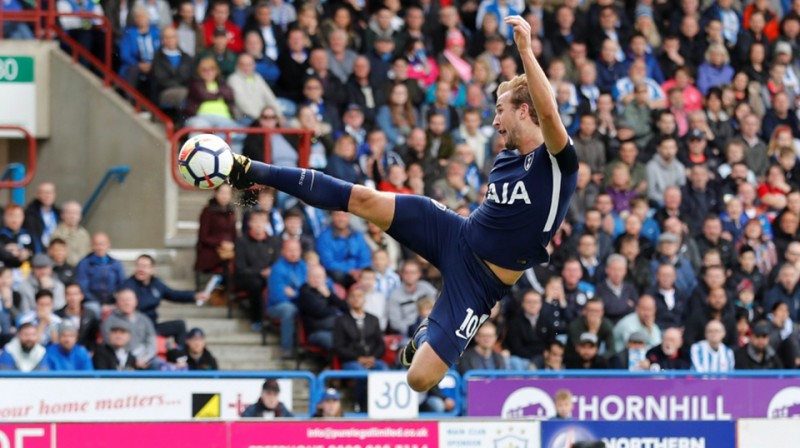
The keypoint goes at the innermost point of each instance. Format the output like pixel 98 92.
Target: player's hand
pixel 522 32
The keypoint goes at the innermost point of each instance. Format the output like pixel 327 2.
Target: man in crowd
pixel 710 354
pixel 268 405
pixel 482 355
pixel 41 277
pixel 100 275
pixel 84 320
pixel 67 354
pixel 642 321
pixel 42 216
pixel 143 333
pixel 402 305
pixel 343 250
pixel 319 307
pixel 529 333
pixel 285 279
pixel 758 354
pixel 670 355
pixel 195 352
pixel 114 353
pixel 24 353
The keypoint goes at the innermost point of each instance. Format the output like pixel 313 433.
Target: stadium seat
pixel 306 350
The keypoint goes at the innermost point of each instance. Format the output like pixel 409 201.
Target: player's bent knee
pixel 420 382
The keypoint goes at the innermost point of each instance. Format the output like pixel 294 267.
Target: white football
pixel 205 161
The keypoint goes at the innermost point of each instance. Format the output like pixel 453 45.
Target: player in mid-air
pixel 482 256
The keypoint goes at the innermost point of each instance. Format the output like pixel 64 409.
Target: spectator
pixel 197 355
pixel 215 236
pixel 717 309
pixel 14 234
pixel 293 61
pixel 632 356
pixel 643 322
pixel 340 58
pixel 758 354
pixel 663 170
pixel 358 341
pixel 321 139
pixel 220 19
pixel 255 253
pixel 673 198
pixel 785 290
pixel 668 252
pixel 57 251
pixel 251 94
pixel 343 250
pixel 619 297
pixel 551 359
pixel 138 47
pixel 210 102
pixel 293 230
pixel 671 303
pixel 43 317
pixel 41 278
pixel 172 71
pixel 716 70
pixel 670 355
pixel 386 278
pixel 42 216
pixel 755 237
pixel 329 405
pixel 18 30
pixel 710 354
pixel 24 353
pixel 326 113
pixel 142 343
pixel 9 300
pixel 99 274
pixel 268 405
pixel 482 355
pixel 585 194
pixel 376 302
pixel 281 151
pixel 755 148
pixel 592 321
pixel 319 307
pixel 586 354
pixel 82 29
pixel 70 230
pixel 190 33
pixel 564 405
pixel 264 66
pixel 150 291
pixel 397 117
pixel 115 354
pixel 343 163
pixel 529 333
pixel 711 238
pixel 87 324
pixel 360 90
pixel 402 304
pixel 67 355
pixel 285 280
pixel 453 191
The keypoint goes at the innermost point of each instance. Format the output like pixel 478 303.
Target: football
pixel 205 161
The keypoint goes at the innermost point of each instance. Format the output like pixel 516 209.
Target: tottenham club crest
pixel 528 161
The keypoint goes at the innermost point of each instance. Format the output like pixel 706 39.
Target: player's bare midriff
pixel 507 276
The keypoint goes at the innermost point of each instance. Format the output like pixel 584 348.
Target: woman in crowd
pixel 397 117
pixel 215 236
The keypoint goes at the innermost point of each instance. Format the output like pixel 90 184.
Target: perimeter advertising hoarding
pixel 565 433
pixel 760 433
pixel 637 398
pixel 129 399
pixel 335 434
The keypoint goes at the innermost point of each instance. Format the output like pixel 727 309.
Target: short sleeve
pixel 567 159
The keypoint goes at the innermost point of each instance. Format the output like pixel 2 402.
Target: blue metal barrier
pixel 16 172
pixel 458 396
pixel 118 173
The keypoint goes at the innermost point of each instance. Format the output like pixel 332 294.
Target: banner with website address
pixel 129 399
pixel 637 398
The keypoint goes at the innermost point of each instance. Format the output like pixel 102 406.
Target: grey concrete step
pixel 244 353
pixel 170 311
pixel 246 339
pixel 220 327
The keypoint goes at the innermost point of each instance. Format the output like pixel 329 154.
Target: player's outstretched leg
pixel 425 367
pixel 314 188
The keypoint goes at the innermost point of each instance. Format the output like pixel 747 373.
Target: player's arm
pixel 553 131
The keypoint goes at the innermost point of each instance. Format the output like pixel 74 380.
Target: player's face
pixel 507 120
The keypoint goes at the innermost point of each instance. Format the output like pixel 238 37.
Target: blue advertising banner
pixel 565 433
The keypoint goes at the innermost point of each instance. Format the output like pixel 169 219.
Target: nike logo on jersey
pixel 470 324
pixel 518 193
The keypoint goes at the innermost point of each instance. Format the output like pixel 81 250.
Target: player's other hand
pixel 522 32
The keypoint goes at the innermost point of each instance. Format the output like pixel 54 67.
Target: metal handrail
pixel 118 173
pixel 31 167
pixel 303 149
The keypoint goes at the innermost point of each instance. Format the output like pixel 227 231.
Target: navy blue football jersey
pixel 526 201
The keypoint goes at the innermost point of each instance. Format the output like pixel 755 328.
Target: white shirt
pixel 706 359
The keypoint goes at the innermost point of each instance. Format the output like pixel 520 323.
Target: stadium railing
pixel 117 173
pixel 30 169
pixel 455 392
pixel 176 139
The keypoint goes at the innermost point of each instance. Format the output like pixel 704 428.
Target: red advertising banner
pixel 26 436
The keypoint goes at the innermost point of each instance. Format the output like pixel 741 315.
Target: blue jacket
pixel 77 359
pixel 99 278
pixel 685 278
pixel 343 254
pixel 285 274
pixel 791 298
pixel 149 296
pixel 23 238
pixel 653 68
pixel 608 75
pixel 709 76
pixel 135 47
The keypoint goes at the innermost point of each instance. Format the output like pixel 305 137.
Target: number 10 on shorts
pixel 389 396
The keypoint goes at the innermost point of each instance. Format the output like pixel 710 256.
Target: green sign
pixel 16 69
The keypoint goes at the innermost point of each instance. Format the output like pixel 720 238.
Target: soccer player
pixel 480 256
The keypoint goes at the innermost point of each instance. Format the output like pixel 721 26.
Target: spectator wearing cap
pixel 642 321
pixel 758 354
pixel 42 317
pixel 24 353
pixel 114 353
pixel 73 233
pixel 586 354
pixel 669 355
pixel 592 321
pixel 671 303
pixel 319 307
pixel 62 269
pixel 664 170
pixel 150 291
pixel 85 321
pixel 196 352
pixel 99 274
pixel 137 49
pixel 697 150
pixel 710 354
pixel 745 303
pixel 143 334
pixel 268 405
pixel 329 405
pixel 618 295
pixel 632 356
pixel 41 278
pixel 667 252
pixel 42 215
pixel 219 19
pixel 380 59
pixel 67 355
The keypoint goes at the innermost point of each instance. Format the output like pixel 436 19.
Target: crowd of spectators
pixel 66 304
pixel 680 249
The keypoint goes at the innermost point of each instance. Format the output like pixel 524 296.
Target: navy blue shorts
pixel 470 289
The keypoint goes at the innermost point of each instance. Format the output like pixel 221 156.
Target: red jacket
pixel 235 43
pixel 217 224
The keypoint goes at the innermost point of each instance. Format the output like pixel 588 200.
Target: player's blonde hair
pixel 520 94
